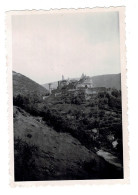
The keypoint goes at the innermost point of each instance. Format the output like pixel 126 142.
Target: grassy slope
pixel 43 154
pixel 24 86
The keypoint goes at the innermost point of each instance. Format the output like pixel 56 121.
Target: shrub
pixel 115 93
pixel 24 162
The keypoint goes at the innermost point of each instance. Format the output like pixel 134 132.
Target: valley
pixel 66 136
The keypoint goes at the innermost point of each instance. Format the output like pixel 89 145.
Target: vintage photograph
pixel 67 95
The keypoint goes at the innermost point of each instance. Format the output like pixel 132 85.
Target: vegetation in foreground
pixel 96 122
pixel 40 124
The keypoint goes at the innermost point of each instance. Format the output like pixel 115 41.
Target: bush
pixel 101 113
pixel 76 118
pixel 115 93
pixel 20 101
pixel 24 161
pixel 114 102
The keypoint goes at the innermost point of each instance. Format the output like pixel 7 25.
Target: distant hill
pixel 108 81
pixel 23 85
pixel 54 85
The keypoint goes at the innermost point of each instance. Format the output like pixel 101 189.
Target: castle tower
pixel 50 89
pixel 62 77
pixel 91 83
pixel 82 76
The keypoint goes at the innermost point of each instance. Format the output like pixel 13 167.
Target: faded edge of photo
pixel 125 180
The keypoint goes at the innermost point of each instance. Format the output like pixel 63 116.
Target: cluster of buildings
pixel 83 82
pixel 84 85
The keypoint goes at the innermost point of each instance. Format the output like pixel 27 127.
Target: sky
pixel 47 46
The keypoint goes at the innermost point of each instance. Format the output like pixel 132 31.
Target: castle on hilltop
pixel 84 85
pixel 83 82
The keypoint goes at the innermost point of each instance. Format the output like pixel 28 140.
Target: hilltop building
pixel 63 82
pixel 84 86
pixel 63 78
pixel 50 89
pixel 85 82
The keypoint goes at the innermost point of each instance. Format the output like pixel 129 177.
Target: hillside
pixel 65 137
pixel 108 81
pixel 41 153
pixel 25 86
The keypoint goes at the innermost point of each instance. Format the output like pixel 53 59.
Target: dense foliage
pixel 96 122
pixel 25 166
